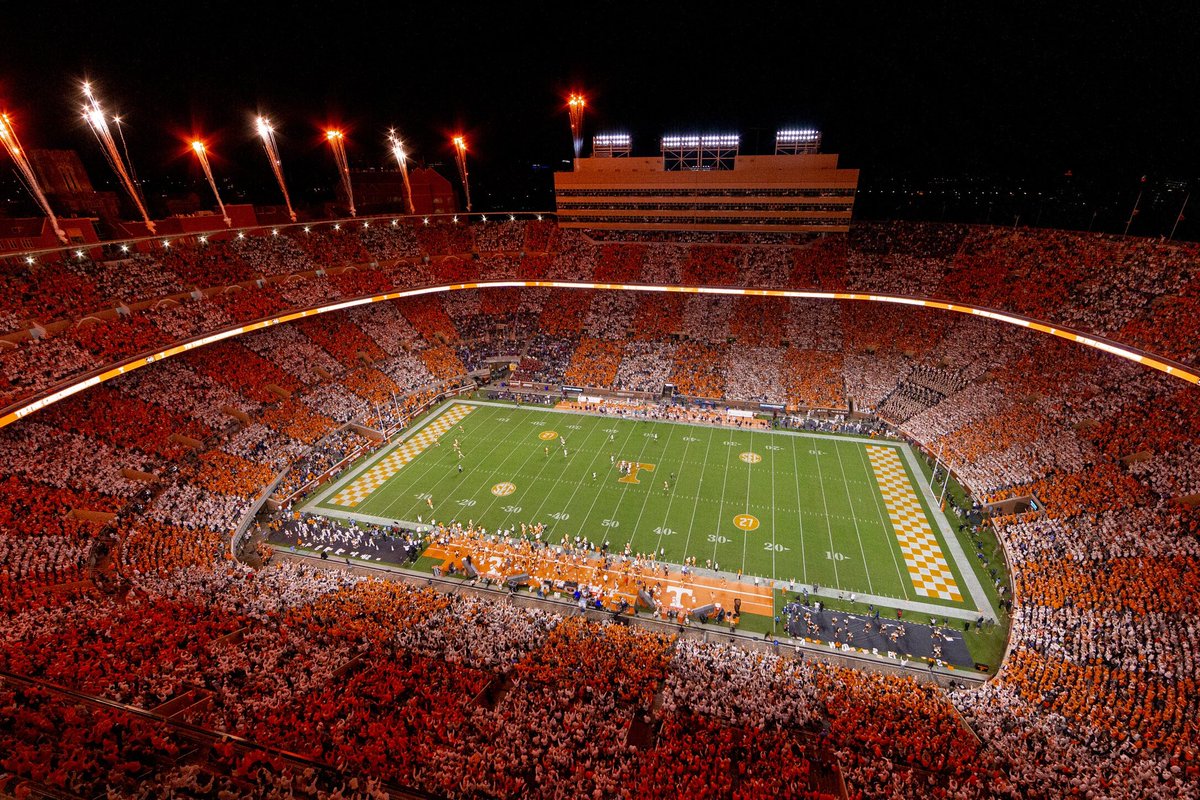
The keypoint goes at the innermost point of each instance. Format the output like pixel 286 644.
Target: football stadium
pixel 692 483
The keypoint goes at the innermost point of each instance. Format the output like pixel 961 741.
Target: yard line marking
pixel 671 498
pixel 749 476
pixel 638 522
pixel 699 492
pixel 828 526
pixel 857 531
pixel 364 485
pixel 800 514
pixel 927 567
pixel 721 512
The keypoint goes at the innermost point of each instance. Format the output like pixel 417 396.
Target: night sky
pixel 902 92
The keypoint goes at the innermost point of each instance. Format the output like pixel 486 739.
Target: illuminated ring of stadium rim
pixel 1098 343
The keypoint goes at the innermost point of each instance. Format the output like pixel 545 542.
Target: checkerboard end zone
pixel 927 566
pixel 364 485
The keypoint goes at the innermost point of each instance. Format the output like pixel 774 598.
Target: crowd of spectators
pixel 697 370
pixel 1133 289
pixel 35 365
pixel 646 367
pixel 1097 698
pixel 233 365
pixel 293 351
pixel 753 374
pixel 758 321
pixel 317 462
pixel 390 242
pixel 594 363
pixel 297 420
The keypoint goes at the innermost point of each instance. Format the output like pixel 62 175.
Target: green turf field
pixel 772 504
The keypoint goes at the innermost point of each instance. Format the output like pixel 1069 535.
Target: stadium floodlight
pixel 680 141
pixel 611 145
pixel 694 151
pixel 612 139
pixel 793 141
pixel 705 140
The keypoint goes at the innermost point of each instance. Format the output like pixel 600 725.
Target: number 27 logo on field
pixel 745 522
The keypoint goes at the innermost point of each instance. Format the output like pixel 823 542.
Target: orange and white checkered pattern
pixel 361 487
pixel 927 566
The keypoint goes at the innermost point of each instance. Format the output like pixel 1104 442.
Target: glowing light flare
pixel 576 104
pixel 25 171
pixel 202 155
pixel 460 157
pixel 93 114
pixel 402 160
pixel 267 134
pixel 337 143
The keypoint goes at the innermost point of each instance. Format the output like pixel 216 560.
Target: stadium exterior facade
pixel 761 193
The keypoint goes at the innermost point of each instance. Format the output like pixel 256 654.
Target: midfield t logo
pixel 631 471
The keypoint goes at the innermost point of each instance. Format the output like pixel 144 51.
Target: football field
pixel 842 512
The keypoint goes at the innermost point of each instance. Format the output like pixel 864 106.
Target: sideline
pixel 949 539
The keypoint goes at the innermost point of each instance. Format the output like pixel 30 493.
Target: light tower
pixel 93 114
pixel 576 103
pixel 611 145
pixel 337 143
pixel 797 141
pixel 700 152
pixel 8 137
pixel 460 156
pixel 202 155
pixel 402 160
pixel 267 134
